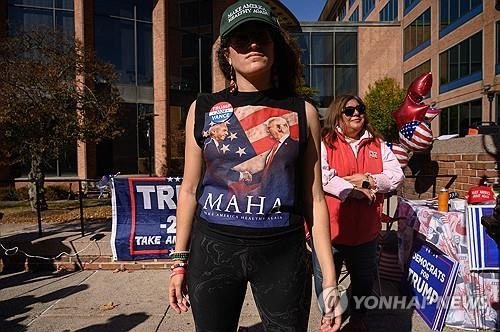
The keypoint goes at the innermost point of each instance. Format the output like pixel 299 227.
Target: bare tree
pixel 52 92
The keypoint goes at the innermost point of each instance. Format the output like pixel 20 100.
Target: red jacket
pixel 354 221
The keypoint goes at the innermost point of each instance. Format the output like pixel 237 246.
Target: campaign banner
pixel 483 250
pixel 432 277
pixel 143 215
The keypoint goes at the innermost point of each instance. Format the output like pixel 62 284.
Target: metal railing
pixel 82 190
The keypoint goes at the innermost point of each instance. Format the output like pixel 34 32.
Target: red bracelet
pixel 177 265
pixel 176 272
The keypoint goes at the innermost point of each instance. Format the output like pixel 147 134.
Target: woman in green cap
pixel 251 177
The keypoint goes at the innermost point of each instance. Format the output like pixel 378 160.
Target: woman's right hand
pixel 177 293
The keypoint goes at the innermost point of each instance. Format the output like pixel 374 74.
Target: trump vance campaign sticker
pixel 221 112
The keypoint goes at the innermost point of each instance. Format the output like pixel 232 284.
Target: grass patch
pixel 58 212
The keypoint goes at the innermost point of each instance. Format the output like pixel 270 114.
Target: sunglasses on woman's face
pixel 349 110
pixel 243 39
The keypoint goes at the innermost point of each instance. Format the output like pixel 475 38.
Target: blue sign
pixel 432 277
pixel 144 225
pixel 484 252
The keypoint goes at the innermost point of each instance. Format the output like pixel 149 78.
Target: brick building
pixel 458 41
pixel 162 50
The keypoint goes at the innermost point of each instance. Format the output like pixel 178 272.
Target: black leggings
pixel 279 274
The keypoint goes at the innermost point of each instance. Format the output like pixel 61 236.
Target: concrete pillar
pixel 86 152
pixel 161 87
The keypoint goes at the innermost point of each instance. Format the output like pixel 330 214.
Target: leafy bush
pixel 56 193
pixel 8 194
pixel 384 97
pixel 13 194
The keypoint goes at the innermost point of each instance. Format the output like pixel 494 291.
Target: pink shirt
pixel 389 180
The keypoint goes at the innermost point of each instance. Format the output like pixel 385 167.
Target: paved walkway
pixel 81 301
pixel 130 300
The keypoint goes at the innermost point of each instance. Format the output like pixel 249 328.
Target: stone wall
pixel 472 159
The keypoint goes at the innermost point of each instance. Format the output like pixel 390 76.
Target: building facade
pixel 458 41
pixel 162 50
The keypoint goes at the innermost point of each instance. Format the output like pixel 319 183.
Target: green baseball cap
pixel 245 11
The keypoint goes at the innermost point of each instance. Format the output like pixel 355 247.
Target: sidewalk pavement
pixel 136 300
pixel 124 301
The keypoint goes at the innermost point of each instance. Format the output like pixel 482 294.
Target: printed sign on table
pixel 432 277
pixel 144 217
pixel 483 250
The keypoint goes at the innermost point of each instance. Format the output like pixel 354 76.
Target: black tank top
pixel 253 147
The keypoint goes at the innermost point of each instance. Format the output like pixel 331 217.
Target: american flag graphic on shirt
pixel 227 198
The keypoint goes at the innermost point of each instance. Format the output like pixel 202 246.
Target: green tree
pixel 384 97
pixel 53 93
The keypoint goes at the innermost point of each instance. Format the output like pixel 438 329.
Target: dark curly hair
pixel 286 60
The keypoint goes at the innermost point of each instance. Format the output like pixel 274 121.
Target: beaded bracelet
pixel 179 255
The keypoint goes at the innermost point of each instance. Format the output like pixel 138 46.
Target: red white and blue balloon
pixel 400 152
pixel 416 135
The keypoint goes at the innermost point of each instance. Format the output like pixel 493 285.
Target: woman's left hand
pixel 356 179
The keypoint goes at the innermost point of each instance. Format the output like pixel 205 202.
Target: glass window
pixel 443 122
pixel 453 69
pixel 444 13
pixel 322 48
pixel 38 3
pixel 346 48
pixel 443 68
pixel 144 54
pixel 418 32
pixel 464 67
pixel 196 13
pixel 341 13
pixel 346 80
pixel 121 31
pixel 121 8
pixel 302 40
pixel 354 16
pixel 368 6
pixel 189 45
pixel 390 11
pixel 339 75
pixel 29 18
pixel 65 22
pixel 322 80
pixel 408 4
pixel 453 120
pixel 462 60
pixel 476 47
pixel 114 37
pixel 452 10
pixel 457 119
pixel 145 138
pixel 410 75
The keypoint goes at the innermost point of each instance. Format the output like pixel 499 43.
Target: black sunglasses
pixel 349 110
pixel 242 39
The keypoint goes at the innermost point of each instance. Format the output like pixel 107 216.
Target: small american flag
pixel 400 152
pixel 432 113
pixel 416 135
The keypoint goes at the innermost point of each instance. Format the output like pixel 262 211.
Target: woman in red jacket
pixel 357 169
